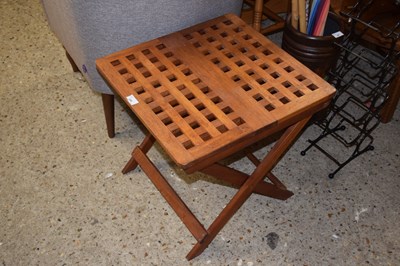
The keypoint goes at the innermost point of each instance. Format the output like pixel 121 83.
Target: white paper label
pixel 337 34
pixel 132 100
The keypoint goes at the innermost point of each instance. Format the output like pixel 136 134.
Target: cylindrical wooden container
pixel 319 53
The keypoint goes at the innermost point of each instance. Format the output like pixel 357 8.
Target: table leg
pixel 169 194
pixel 270 175
pixel 246 184
pixel 265 166
pixel 145 146
pixel 237 179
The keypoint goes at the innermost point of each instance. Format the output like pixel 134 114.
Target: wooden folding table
pixel 207 92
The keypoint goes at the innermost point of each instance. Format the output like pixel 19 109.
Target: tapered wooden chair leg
pixel 108 106
pixel 75 68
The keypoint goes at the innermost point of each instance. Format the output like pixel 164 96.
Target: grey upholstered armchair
pixel 94 28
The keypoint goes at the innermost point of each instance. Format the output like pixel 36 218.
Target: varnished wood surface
pixel 209 91
pixel 211 87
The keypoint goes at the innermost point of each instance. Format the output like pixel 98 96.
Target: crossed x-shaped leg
pixel 247 185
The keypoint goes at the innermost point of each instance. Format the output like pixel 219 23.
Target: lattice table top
pixel 204 89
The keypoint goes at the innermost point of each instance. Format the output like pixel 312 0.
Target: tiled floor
pixel 63 199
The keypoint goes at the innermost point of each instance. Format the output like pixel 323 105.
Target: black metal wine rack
pixel 362 77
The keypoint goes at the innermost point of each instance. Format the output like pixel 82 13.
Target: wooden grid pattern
pixel 207 87
pixel 266 77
